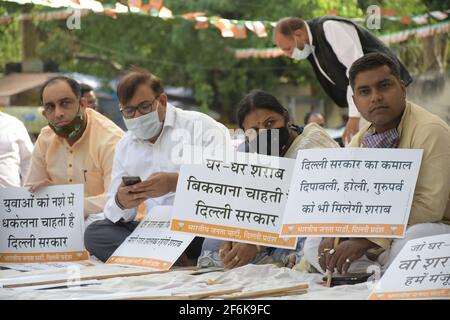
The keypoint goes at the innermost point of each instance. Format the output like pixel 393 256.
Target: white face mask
pixel 298 54
pixel 145 127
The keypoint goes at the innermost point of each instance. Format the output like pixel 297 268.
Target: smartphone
pixel 348 279
pixel 129 181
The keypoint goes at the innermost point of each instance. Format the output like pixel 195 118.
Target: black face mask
pixel 269 142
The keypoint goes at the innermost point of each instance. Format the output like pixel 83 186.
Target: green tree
pixel 200 59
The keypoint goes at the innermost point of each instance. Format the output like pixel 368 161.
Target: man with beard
pixel 77 146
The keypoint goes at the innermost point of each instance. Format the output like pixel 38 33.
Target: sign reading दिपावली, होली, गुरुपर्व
pixel 351 192
pixel 46 226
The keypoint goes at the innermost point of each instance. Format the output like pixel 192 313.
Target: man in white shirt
pixel 331 45
pixel 159 139
pixel 15 151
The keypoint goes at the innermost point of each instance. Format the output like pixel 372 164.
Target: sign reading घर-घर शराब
pixel 240 200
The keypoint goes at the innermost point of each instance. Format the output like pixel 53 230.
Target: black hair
pixel 73 84
pixel 287 26
pixel 133 78
pixel 258 99
pixel 85 88
pixel 310 114
pixel 371 61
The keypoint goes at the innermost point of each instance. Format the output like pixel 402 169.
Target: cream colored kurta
pixel 312 137
pixel 88 161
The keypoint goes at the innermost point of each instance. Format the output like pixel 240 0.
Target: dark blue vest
pixel 335 70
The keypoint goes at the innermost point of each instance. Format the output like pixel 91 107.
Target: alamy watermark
pixel 73 22
pixel 373 21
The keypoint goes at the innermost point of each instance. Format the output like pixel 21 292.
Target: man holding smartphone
pixel 160 138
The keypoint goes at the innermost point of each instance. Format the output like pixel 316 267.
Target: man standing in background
pixel 331 45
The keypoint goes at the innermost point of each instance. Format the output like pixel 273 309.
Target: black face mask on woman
pixel 269 142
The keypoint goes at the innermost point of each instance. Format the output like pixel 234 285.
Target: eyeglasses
pixel 144 107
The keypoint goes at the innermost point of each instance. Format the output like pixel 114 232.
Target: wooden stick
pixel 208 270
pixel 290 293
pixel 329 272
pixel 268 292
pixel 95 277
pixel 202 295
pixel 194 296
pixel 259 295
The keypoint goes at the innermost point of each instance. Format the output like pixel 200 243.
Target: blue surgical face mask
pixel 298 54
pixel 145 127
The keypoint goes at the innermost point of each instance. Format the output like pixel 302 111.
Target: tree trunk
pixel 29 36
pixel 435 53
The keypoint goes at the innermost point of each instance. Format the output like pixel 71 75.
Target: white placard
pixel 152 244
pixel 46 226
pixel 240 200
pixel 353 192
pixel 420 271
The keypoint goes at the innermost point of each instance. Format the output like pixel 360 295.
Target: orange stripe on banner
pixel 206 229
pixel 416 294
pixel 43 257
pixel 140 262
pixel 342 229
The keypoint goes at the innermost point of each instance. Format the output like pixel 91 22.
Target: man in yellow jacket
pixel 380 97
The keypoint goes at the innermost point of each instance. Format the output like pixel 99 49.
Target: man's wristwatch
pixel 116 199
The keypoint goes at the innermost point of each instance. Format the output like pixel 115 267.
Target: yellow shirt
pixel 88 161
pixel 420 129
